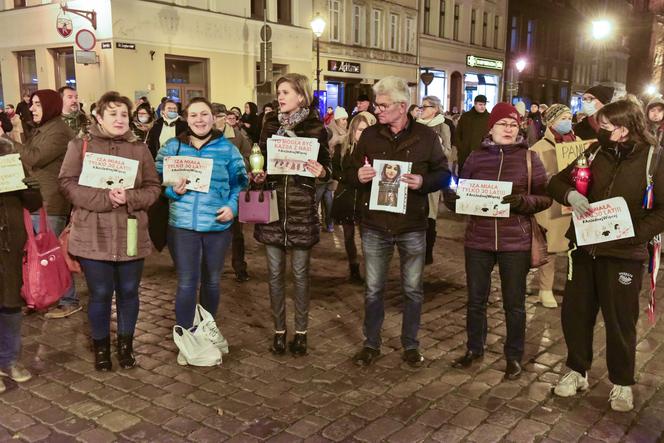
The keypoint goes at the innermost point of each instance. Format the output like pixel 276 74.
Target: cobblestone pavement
pixel 255 396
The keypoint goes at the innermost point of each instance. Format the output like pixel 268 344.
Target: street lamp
pixel 514 86
pixel 520 65
pixel 318 26
pixel 601 29
pixel 651 90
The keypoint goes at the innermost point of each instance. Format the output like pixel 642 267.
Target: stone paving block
pixel 469 418
pixel 155 414
pixel 378 430
pixel 449 434
pixel 89 409
pixel 527 430
pixel 487 433
pixel 265 428
pixel 16 421
pixel 342 428
pixel 182 426
pixel 97 435
pixel 206 435
pixel 225 424
pixel 565 431
pixel 118 421
pixel 416 432
pixel 407 409
pixel 435 418
pixel 74 426
pixel 307 426
pixel 34 433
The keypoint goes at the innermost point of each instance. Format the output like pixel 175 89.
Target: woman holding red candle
pixel 607 276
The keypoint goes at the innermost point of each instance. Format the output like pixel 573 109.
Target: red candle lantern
pixel 582 175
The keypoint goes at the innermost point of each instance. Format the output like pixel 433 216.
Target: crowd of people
pixel 112 231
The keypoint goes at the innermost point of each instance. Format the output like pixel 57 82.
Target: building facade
pixel 176 48
pixel 646 44
pixel 462 50
pixel 364 41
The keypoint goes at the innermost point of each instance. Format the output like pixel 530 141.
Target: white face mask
pixel 588 108
pixel 143 118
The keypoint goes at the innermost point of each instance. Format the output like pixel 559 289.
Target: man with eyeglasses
pixel 396 137
pixel 471 129
pixel 592 101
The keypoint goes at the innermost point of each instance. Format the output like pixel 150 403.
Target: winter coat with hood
pixel 587 128
pixel 505 163
pixel 337 135
pixel 298 224
pixel 470 132
pixel 99 231
pixel 439 125
pixel 45 150
pixel 197 211
pixel 152 139
pixel 657 128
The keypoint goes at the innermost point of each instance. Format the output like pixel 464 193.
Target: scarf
pixel 563 138
pixel 289 121
pixel 437 120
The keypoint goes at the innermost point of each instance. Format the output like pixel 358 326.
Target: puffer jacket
pixel 197 211
pixel 506 163
pixel 617 174
pixel 298 224
pixel 99 231
pixel 347 205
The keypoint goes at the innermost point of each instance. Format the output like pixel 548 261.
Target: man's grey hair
pixel 394 87
pixel 435 101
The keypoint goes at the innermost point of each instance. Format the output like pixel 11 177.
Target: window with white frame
pixel 496 28
pixel 394 32
pixel 473 16
pixel 336 18
pixel 359 24
pixel 376 28
pixel 411 35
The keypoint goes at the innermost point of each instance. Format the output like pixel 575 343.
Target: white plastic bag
pixel 198 350
pixel 205 325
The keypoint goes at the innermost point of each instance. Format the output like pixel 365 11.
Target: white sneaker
pixel 621 398
pixel 570 384
pixel 547 299
pixel 182 361
pixel 16 372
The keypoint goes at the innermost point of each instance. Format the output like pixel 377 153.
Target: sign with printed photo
pixel 388 192
pixel 483 198
pixel 606 221
pixel 289 155
pixel 11 173
pixel 108 171
pixel 196 171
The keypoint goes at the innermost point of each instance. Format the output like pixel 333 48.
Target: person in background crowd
pixel 12 239
pixel 250 121
pixel 471 129
pixel 71 111
pixel 655 116
pixel 558 121
pixel 542 109
pixel 142 121
pixel 346 208
pixel 100 233
pixel 329 116
pixel 233 119
pixel 592 101
pixel 16 133
pixel 432 116
pixel 200 223
pixel 5 122
pixel 297 229
pixel 607 276
pixel 397 138
pixel 506 241
pixel 267 108
pixel 23 111
pixel 160 109
pixel 141 100
pixel 535 127
pixel 363 104
pixel 166 127
pixel 42 155
pixel 415 111
pixel 578 117
pixel 325 190
pixel 244 146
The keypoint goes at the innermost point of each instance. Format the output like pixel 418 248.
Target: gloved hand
pixel 514 200
pixel 450 195
pixel 578 202
pixel 31 182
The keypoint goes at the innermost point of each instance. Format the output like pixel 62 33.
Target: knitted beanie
pixel 340 112
pixel 503 110
pixel 602 93
pixel 555 111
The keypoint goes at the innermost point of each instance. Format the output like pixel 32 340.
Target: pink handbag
pixel 258 207
pixel 46 276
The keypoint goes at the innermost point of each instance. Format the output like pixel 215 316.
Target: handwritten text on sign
pixel 566 153
pixel 108 171
pixel 289 155
pixel 607 220
pixel 196 171
pixel 11 173
pixel 483 197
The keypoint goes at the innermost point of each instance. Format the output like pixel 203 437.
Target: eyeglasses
pixel 382 107
pixel 587 99
pixel 507 125
pixel 426 106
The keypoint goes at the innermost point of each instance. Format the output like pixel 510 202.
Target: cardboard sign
pixel 108 171
pixel 483 198
pixel 388 192
pixel 606 221
pixel 567 153
pixel 196 171
pixel 289 155
pixel 11 173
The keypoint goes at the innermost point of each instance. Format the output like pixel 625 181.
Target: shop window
pixel 376 28
pixel 476 84
pixel 284 12
pixel 514 34
pixel 335 20
pixel 27 70
pixel 438 87
pixel 485 25
pixel 65 71
pixel 394 32
pixel 358 25
pixel 441 20
pixel 411 35
pixel 473 14
pixel 427 16
pixel 496 28
pixel 186 78
pixel 456 22
pixel 258 9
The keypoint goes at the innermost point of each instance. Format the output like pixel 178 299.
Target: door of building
pixel 186 78
pixel 456 85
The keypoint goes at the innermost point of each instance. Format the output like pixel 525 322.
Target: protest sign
pixel 11 173
pixel 567 153
pixel 606 221
pixel 289 155
pixel 195 170
pixel 483 198
pixel 388 192
pixel 108 171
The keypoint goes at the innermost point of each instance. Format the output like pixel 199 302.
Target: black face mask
pixel 604 138
pixel 200 137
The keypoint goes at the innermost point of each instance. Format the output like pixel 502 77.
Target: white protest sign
pixel 388 192
pixel 108 171
pixel 483 198
pixel 606 221
pixel 289 155
pixel 196 171
pixel 11 173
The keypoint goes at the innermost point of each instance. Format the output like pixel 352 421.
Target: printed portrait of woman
pixel 388 188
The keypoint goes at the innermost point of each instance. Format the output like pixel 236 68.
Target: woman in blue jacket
pixel 199 222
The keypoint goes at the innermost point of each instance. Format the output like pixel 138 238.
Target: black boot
pixel 355 276
pixel 125 351
pixel 102 349
pixel 298 346
pixel 279 343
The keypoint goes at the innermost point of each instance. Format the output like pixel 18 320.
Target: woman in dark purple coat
pixel 505 240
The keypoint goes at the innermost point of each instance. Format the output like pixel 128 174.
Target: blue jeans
pixel 10 335
pixel 198 257
pixel 105 278
pixel 378 248
pixel 58 223
pixel 327 197
pixel 513 268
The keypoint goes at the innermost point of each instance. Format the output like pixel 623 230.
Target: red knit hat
pixel 51 103
pixel 503 110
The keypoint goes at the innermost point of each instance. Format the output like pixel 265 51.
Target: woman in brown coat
pixel 110 227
